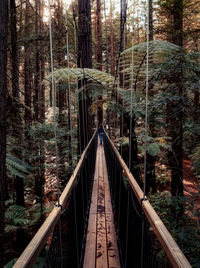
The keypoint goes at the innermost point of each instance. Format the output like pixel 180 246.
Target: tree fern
pixel 62 75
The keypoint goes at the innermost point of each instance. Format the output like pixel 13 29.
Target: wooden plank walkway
pixel 101 243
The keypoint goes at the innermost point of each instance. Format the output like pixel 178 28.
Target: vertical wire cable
pixel 54 102
pixel 55 128
pixel 123 87
pixel 146 102
pixel 106 35
pixel 146 130
pixel 78 110
pixel 131 109
pixel 75 43
pixel 69 88
pixel 127 229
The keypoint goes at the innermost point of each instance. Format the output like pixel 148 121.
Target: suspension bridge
pixel 102 220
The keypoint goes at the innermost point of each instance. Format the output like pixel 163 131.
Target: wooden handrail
pixel 174 254
pixel 32 251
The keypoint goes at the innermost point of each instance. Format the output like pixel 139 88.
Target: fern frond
pixel 17 167
pixel 63 75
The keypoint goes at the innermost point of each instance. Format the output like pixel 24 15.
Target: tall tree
pixel 98 35
pixel 37 61
pixel 98 53
pixel 3 87
pixel 112 40
pixel 17 124
pixel 174 109
pixel 84 34
pixel 150 168
pixel 42 103
pixel 84 61
pixel 27 75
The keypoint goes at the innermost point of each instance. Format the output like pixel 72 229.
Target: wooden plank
pixel 102 254
pixel 112 246
pixel 113 252
pixel 90 250
pixel 107 188
pixel 93 207
pixel 101 215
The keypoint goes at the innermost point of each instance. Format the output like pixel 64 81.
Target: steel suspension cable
pixel 146 131
pixel 131 108
pixel 146 101
pixel 55 128
pixel 123 87
pixel 54 102
pixel 75 49
pixel 69 89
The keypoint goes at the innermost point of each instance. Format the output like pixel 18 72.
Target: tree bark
pixel 84 61
pixel 175 118
pixel 17 122
pixel 37 62
pixel 3 89
pixel 27 76
pixel 123 15
pixel 98 54
pixel 150 168
pixel 106 36
pixel 112 42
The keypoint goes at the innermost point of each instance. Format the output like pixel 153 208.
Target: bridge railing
pixel 60 240
pixel 143 239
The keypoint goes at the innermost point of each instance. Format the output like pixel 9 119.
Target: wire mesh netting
pixel 65 246
pixel 138 246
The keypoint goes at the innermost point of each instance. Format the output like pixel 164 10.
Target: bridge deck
pixel 101 242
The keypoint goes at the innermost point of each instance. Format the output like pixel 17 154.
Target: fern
pixel 15 217
pixel 63 75
pixel 17 167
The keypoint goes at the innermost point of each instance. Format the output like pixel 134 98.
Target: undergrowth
pixel 175 212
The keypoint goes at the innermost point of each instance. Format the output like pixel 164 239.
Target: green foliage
pixel 175 212
pixel 15 217
pixel 63 75
pixel 156 146
pixel 10 264
pixel 19 217
pixel 17 167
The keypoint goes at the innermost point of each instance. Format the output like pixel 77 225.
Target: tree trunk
pixel 17 122
pixel 37 62
pixel 150 160
pixel 41 111
pixel 123 14
pixel 112 41
pixel 98 54
pixel 27 77
pixel 106 36
pixel 84 61
pixel 3 89
pixel 98 36
pixel 175 118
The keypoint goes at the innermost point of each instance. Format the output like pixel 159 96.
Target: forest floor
pixel 191 185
